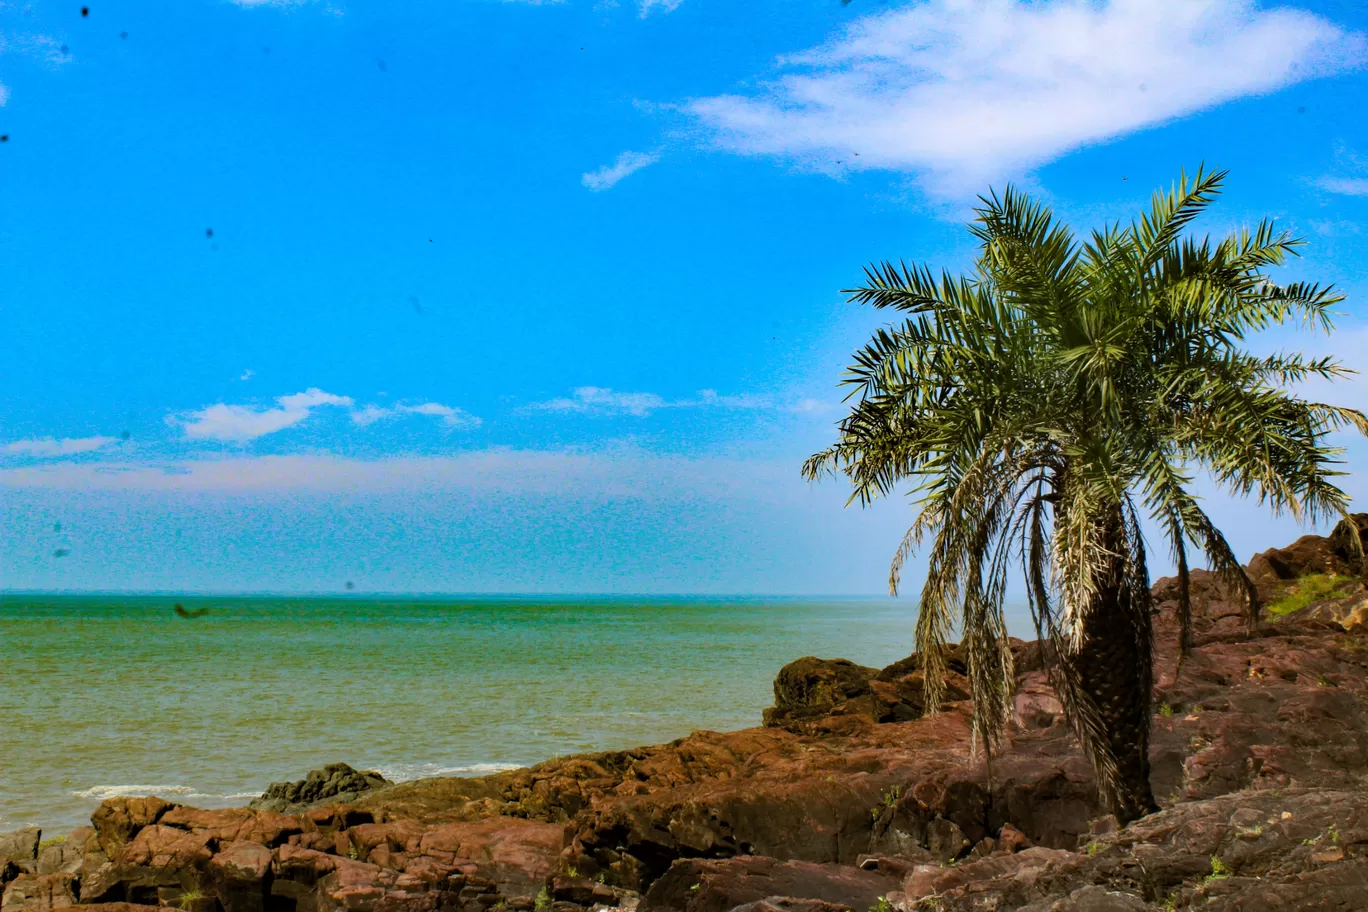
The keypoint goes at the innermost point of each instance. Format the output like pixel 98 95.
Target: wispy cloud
pixel 603 401
pixel 966 91
pixel 241 423
pixel 247 374
pixel 47 447
pixel 1349 186
pixel 1352 179
pixel 664 6
pixel 450 415
pixel 627 163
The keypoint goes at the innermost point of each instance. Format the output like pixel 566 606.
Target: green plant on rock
pixel 572 871
pixel 189 897
pixel 1305 592
pixel 1219 871
pixel 543 901
pixel 52 841
pixel 881 905
pixel 1165 710
pixel 1043 404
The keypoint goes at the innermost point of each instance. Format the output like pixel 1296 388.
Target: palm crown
pixel 1046 402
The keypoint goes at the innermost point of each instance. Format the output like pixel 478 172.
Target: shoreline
pixel 848 798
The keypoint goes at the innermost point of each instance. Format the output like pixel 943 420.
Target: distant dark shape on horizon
pixel 350 585
pixel 61 552
pixel 182 612
pixel 125 435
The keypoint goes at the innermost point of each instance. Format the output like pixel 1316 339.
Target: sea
pixel 108 695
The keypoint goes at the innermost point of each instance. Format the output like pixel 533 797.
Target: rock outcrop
pixel 849 797
pixel 336 783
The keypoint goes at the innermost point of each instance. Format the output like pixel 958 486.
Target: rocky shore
pixel 848 798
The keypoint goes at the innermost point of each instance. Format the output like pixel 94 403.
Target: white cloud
pixel 49 446
pixel 1349 186
pixel 240 423
pixel 966 91
pixel 450 415
pixel 247 374
pixel 4 94
pixel 606 401
pixel 626 163
pixel 598 400
pixel 665 6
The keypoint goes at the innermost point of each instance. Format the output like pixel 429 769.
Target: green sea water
pixel 105 696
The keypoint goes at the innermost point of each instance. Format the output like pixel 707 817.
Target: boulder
pixel 19 853
pixel 334 783
pixel 117 820
pixel 717 885
pixel 39 893
pixel 64 856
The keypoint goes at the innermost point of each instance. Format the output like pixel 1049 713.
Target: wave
pixel 405 772
pixel 134 791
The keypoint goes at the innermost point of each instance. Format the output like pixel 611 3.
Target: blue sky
pixel 500 296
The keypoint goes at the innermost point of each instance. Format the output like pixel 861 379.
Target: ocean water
pixel 104 696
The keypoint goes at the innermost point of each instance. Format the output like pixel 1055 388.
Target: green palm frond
pixel 1037 404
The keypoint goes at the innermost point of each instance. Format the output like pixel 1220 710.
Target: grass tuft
pixel 1305 592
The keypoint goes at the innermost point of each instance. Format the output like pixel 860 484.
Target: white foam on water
pixel 409 771
pixel 102 792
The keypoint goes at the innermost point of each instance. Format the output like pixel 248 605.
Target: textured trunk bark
pixel 1116 674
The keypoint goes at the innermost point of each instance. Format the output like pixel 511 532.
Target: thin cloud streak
pixel 961 92
pixel 450 415
pixel 47 447
pixel 604 401
pixel 627 163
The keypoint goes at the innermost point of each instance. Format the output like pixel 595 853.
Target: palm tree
pixel 1042 405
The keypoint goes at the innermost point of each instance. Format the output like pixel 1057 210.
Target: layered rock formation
pixel 848 798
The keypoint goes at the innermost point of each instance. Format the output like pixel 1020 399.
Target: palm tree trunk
pixel 1115 675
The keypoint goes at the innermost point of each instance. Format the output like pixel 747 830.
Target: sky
pixel 480 296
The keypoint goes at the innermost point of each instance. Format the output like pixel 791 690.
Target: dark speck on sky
pixel 125 435
pixel 350 585
pixel 4 137
pixel 56 527
pixel 123 35
pixel 380 64
pixel 64 49
pixel 85 11
pixel 61 552
pixel 208 232
pixel 417 307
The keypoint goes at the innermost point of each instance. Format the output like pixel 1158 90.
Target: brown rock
pixel 118 820
pixel 789 904
pixel 65 857
pixel 699 885
pixel 239 875
pixel 39 893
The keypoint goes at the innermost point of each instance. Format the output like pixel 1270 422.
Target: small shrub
pixel 883 905
pixel 1092 848
pixel 52 841
pixel 1165 710
pixel 572 871
pixel 543 901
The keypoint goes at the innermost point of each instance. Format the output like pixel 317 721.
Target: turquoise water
pixel 102 696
